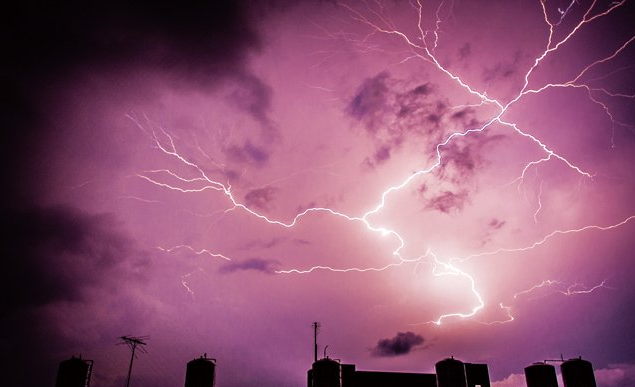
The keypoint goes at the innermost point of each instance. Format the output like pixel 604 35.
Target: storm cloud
pixel 399 345
pixel 53 257
pixel 398 112
pixel 260 197
pixel 56 253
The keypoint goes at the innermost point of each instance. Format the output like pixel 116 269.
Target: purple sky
pixel 425 179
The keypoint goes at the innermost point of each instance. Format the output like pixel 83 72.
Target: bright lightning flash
pixel 422 48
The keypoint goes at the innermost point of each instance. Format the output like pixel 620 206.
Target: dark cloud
pixel 381 155
pixel 267 266
pixel 465 51
pixel 248 153
pixel 55 253
pixel 369 103
pixel 395 112
pixel 194 39
pixel 52 257
pixel 456 176
pixel 48 47
pixel 260 197
pixel 447 201
pixel 502 70
pixel 461 158
pixel 267 244
pixel 399 345
pixel 253 96
pixel 496 224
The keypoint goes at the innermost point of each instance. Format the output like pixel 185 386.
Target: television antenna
pixel 316 329
pixel 133 343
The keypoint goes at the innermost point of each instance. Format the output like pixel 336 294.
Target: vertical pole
pixel 315 332
pixel 134 346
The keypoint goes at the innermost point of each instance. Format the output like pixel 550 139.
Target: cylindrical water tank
pixel 73 372
pixel 577 373
pixel 326 373
pixel 541 375
pixel 200 372
pixel 450 373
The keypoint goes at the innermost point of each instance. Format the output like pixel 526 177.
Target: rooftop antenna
pixel 316 328
pixel 133 343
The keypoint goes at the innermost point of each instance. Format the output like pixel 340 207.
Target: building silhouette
pixel 74 372
pixel 327 372
pixel 575 373
pixel 450 372
pixel 477 375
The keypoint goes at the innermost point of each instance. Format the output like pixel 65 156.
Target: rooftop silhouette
pixel 327 372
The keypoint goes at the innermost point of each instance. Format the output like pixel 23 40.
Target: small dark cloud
pixel 273 242
pixel 465 51
pixel 496 223
pixel 461 114
pixel 267 244
pixel 370 96
pixel 424 89
pixel 267 266
pixel 369 102
pixel 253 96
pixel 301 241
pixel 456 176
pixel 381 155
pixel 260 197
pixel 461 158
pixel 503 69
pixel 399 345
pixel 447 201
pixel 248 153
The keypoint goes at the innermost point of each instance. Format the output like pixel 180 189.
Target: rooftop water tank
pixel 450 373
pixel 74 372
pixel 326 373
pixel 200 372
pixel 577 373
pixel 541 375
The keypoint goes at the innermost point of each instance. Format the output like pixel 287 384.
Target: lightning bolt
pixel 422 48
pixel 567 290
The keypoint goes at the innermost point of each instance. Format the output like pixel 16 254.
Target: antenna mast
pixel 316 327
pixel 133 343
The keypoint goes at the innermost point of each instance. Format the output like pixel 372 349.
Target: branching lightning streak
pixel 548 237
pixel 192 249
pixel 421 51
pixel 539 203
pixel 453 270
pixel 564 289
pixel 184 281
